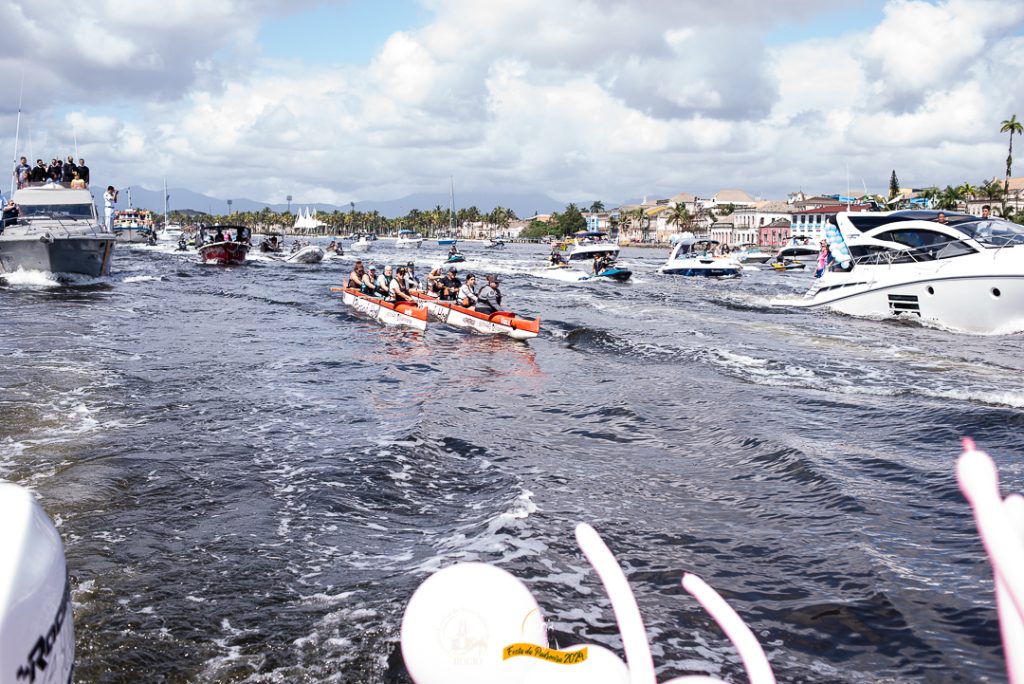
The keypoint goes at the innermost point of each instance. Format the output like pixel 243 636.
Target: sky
pixel 585 100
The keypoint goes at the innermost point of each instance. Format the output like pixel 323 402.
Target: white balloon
pixel 460 620
pixel 602 666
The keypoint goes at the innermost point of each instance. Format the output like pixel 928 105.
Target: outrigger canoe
pixel 498 323
pixel 400 313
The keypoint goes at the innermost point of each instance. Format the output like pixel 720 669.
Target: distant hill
pixel 523 203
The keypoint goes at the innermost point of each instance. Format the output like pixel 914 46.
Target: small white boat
pixel 363 244
pixel 310 254
pixel 408 239
pixel 799 248
pixel 967 274
pixel 37 635
pixel 751 254
pixel 694 257
pixel 587 245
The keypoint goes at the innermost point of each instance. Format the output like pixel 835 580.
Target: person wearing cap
pixel 450 285
pixel 399 291
pixel 489 297
pixel 434 279
pixel 467 293
pixel 411 281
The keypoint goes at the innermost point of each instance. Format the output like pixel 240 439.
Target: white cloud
pixel 583 98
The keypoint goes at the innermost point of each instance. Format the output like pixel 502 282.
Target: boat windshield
pixel 57 211
pixel 994 232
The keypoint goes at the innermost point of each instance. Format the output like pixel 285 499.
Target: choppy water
pixel 251 480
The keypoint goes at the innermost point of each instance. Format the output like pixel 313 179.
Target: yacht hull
pixel 77 254
pixel 982 304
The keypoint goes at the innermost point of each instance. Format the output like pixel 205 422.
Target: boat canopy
pixel 590 234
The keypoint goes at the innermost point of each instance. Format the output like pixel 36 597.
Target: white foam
pixel 142 279
pixel 32 278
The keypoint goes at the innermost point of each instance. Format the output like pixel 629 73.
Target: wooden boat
pixel 499 323
pixel 400 313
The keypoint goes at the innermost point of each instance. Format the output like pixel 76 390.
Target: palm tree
pixel 950 198
pixel 679 216
pixel 596 207
pixel 968 191
pixel 639 215
pixel 1010 126
pixel 932 195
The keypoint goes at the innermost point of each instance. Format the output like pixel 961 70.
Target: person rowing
pixel 434 279
pixel 450 285
pixel 399 289
pixel 489 296
pixel 383 282
pixel 357 278
pixel 467 293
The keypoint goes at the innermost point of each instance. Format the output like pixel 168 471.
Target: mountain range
pixel 525 204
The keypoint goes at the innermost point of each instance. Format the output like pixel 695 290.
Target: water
pixel 251 480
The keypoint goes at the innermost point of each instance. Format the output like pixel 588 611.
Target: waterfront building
pixel 774 234
pixel 812 222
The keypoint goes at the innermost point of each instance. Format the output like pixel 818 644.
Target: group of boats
pixel 415 314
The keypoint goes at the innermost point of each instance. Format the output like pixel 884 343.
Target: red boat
pixel 223 252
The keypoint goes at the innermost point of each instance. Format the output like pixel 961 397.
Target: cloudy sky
pixel 582 99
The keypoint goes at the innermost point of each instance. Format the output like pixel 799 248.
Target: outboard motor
pixel 37 639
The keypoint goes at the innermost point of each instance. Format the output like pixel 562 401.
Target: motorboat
pixel 613 272
pixel 695 257
pixel 308 254
pixel 220 248
pixel 799 248
pixel 586 245
pixel 494 243
pixel 751 253
pixel 37 632
pixel 362 244
pixel 408 239
pixel 446 242
pixel 393 313
pixel 133 225
pixel 498 323
pixel 966 274
pixel 56 230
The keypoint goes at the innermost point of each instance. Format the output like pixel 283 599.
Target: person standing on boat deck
pixel 986 212
pixel 450 285
pixel 489 297
pixel 399 291
pixel 39 172
pixel 467 293
pixel 21 171
pixel 109 201
pixel 824 259
pixel 67 170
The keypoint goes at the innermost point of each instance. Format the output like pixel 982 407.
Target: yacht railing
pixel 932 252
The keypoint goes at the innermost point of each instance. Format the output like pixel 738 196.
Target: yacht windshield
pixel 994 232
pixel 58 211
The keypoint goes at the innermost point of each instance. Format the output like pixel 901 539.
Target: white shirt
pixel 108 201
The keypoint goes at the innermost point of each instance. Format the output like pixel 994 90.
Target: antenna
pixel 74 132
pixel 17 130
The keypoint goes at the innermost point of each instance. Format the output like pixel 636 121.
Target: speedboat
pixel 967 274
pixel 223 251
pixel 310 254
pixel 446 242
pixel 492 243
pixel 751 253
pixel 498 323
pixel 37 632
pixel 133 225
pixel 363 244
pixel 587 245
pixel 56 230
pixel 397 313
pixel 408 239
pixel 799 248
pixel 694 257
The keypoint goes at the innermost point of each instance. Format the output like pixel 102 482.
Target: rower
pixel 411 281
pixel 356 277
pixel 450 285
pixel 434 279
pixel 383 282
pixel 467 293
pixel 489 297
pixel 399 290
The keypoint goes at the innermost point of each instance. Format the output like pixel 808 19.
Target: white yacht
pixel 56 230
pixel 586 245
pixel 751 253
pixel 966 274
pixel 799 248
pixel 695 257
pixel 408 239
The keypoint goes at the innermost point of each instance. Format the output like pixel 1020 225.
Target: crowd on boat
pixel 399 285
pixel 57 171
